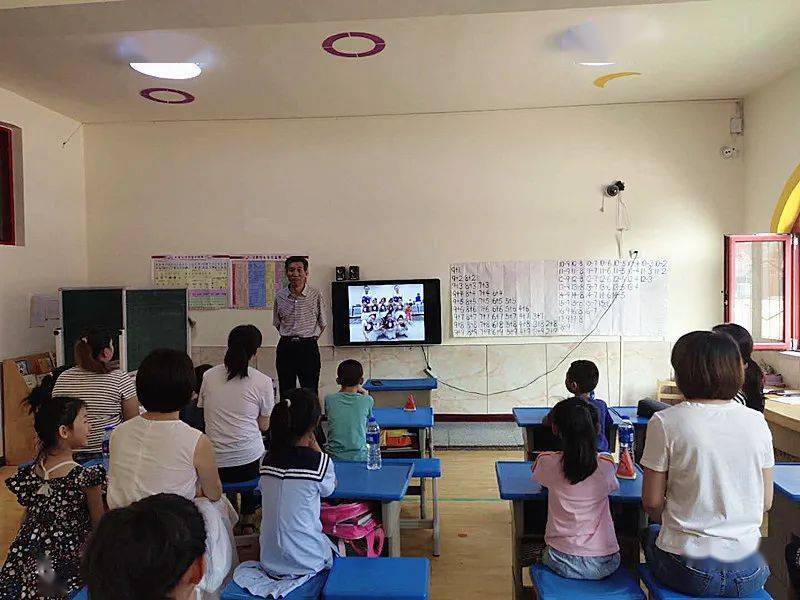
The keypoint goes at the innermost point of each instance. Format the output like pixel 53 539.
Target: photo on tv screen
pixel 387 313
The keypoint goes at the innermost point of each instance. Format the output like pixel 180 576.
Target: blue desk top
pixel 390 418
pixel 530 417
pixel 515 481
pixel 787 480
pixel 401 385
pixel 355 482
pixel 621 412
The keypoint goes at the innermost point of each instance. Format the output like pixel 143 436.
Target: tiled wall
pixel 488 369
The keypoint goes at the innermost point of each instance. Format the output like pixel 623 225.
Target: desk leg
pixel 390 515
pixel 528 441
pixel 517 531
pixel 423 506
pixel 435 484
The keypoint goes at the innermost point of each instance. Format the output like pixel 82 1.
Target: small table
pixel 529 515
pixel 392 393
pixel 539 438
pixel 419 421
pixel 783 521
pixel 388 485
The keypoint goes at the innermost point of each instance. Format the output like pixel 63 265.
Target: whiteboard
pixel 560 297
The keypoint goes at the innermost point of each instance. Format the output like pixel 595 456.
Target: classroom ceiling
pixel 266 59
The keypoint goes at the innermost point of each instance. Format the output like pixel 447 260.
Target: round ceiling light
pixel 167 96
pixel 168 70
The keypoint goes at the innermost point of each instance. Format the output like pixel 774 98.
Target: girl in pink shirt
pixel 580 537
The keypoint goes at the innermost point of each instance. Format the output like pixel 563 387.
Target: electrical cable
pixel 559 363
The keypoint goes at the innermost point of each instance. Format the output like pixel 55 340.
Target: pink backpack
pixel 353 524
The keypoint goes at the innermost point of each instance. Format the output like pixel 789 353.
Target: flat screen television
pixel 388 312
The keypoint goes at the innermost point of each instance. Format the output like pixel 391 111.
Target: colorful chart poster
pixel 207 278
pixel 560 297
pixel 256 278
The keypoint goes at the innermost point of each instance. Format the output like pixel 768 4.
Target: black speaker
pixel 341 273
pixel 354 273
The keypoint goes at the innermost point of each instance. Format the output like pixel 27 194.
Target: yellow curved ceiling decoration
pixel 602 81
pixel 788 208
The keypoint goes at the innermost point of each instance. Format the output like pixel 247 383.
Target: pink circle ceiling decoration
pixel 185 97
pixel 378 44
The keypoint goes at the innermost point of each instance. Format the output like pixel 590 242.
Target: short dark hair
pixel 349 372
pixel 142 551
pixel 584 374
pixel 295 259
pixel 708 366
pixel 165 381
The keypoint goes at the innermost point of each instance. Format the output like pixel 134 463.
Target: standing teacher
pixel 299 316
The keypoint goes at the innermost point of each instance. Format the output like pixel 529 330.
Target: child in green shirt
pixel 347 412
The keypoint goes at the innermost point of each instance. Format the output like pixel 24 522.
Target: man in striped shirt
pixel 299 316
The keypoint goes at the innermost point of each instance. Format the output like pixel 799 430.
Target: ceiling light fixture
pixel 595 64
pixel 168 70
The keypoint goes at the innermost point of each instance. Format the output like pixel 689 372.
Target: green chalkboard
pixel 155 318
pixel 82 309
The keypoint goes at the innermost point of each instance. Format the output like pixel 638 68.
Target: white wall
pixel 54 253
pixel 407 196
pixel 772 147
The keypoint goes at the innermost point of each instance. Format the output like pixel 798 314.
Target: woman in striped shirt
pixel 109 394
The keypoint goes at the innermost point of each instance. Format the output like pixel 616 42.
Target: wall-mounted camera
pixel 614 189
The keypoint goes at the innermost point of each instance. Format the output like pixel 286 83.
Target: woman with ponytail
pixel 237 400
pixel 109 394
pixel 752 392
pixel 295 475
pixel 62 503
pixel 580 537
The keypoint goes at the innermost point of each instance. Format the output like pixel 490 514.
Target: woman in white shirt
pixel 707 476
pixel 109 394
pixel 157 452
pixel 237 400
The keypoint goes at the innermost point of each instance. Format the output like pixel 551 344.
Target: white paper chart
pixel 207 277
pixel 560 297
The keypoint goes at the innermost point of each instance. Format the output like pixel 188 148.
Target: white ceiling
pixel 263 59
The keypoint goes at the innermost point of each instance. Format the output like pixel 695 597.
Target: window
pixel 10 185
pixel 760 289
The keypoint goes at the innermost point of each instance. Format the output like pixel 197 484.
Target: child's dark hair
pixel 584 374
pixel 753 386
pixel 141 552
pixel 295 259
pixel 243 343
pixel 292 418
pixel 199 373
pixel 349 373
pixel 165 381
pixel 88 349
pixel 576 422
pixel 49 414
pixel 708 366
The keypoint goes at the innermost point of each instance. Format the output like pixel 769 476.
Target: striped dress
pixel 103 394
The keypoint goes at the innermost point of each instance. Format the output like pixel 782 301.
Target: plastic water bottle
pixel 107 443
pixel 626 436
pixel 373 445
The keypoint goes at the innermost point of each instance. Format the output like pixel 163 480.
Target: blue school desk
pixel 529 516
pixel 388 485
pixel 392 393
pixel 538 438
pixel 783 522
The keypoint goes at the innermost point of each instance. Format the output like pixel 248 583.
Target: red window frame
pixel 791 285
pixel 8 229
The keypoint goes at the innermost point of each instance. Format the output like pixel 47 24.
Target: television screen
pixel 386 312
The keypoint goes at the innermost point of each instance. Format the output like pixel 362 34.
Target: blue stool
pixel 425 468
pixel 618 586
pixel 241 486
pixel 378 578
pixel 658 591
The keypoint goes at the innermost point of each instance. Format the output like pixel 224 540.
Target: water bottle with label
pixel 107 443
pixel 626 468
pixel 373 445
